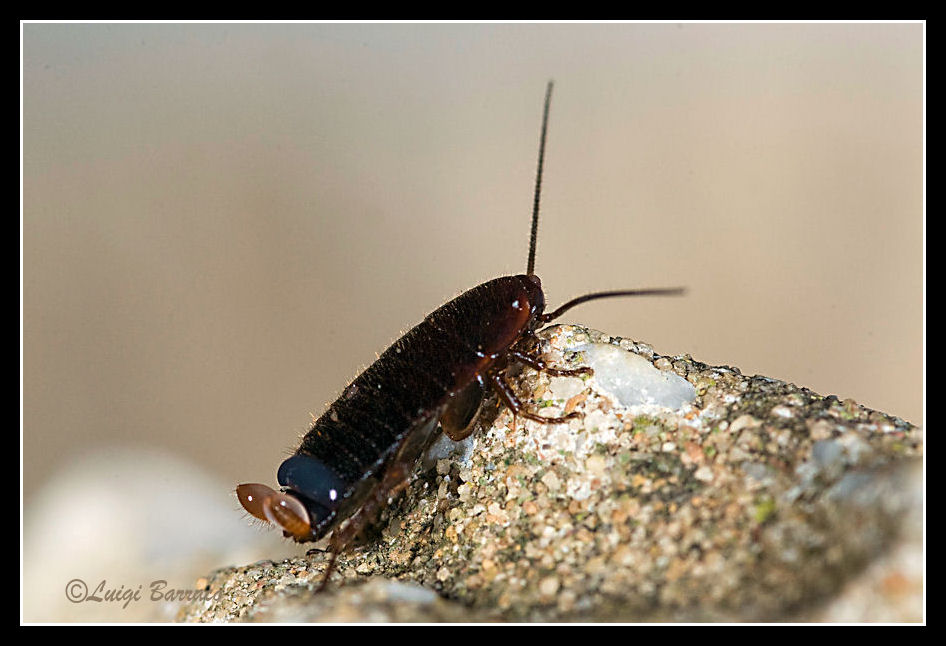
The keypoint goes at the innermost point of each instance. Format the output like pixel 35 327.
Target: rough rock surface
pixel 758 501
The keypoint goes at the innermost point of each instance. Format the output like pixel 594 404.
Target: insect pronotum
pixel 362 450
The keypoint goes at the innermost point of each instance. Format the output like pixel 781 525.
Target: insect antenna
pixel 672 291
pixel 533 236
pixel 530 266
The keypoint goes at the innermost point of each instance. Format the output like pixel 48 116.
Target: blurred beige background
pixel 223 224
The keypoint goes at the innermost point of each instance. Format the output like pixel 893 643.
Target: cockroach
pixel 362 450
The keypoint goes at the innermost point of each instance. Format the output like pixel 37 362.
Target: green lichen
pixel 764 509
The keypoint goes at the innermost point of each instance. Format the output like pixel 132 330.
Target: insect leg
pixel 460 411
pixel 395 479
pixel 527 351
pixel 538 364
pixel 506 393
pixel 330 567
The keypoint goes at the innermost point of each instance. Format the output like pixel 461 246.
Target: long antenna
pixel 530 266
pixel 672 291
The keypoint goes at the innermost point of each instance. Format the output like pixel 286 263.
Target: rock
pixel 749 499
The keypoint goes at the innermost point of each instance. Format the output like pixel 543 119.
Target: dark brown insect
pixel 362 450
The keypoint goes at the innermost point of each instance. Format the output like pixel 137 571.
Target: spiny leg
pixel 460 412
pixel 395 479
pixel 506 393
pixel 527 351
pixel 329 568
pixel 537 364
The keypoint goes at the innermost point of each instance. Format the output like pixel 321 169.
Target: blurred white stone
pixel 127 517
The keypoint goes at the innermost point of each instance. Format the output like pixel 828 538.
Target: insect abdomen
pixel 416 375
